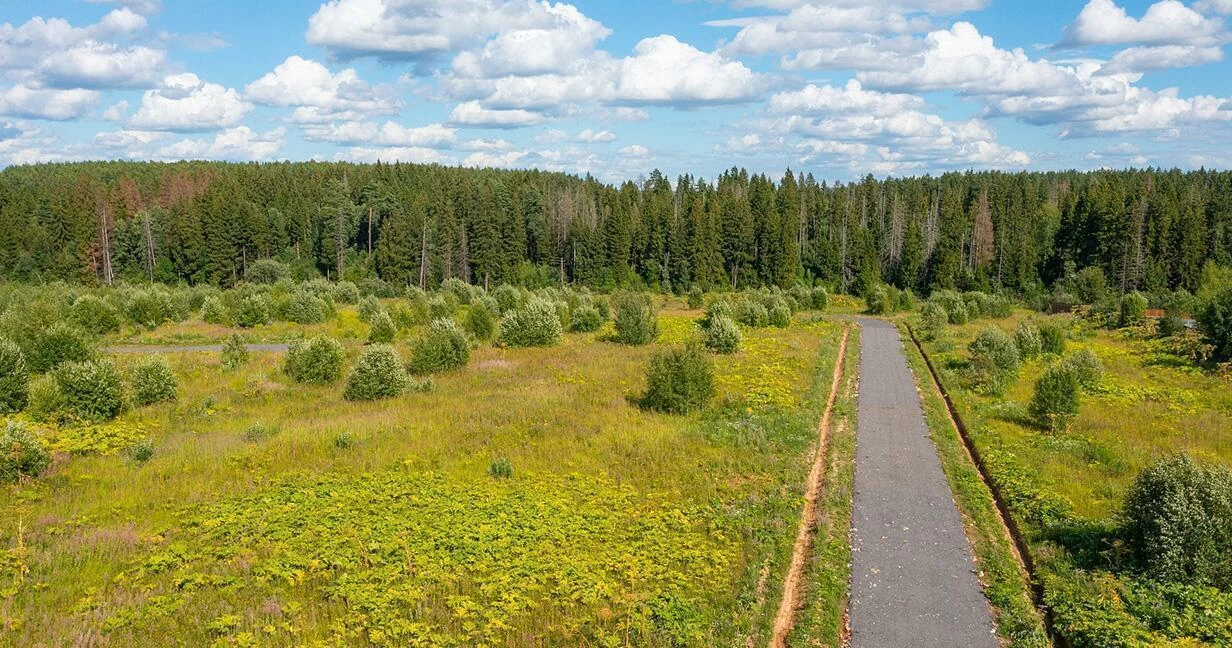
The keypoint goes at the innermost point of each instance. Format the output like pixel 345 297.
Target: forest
pixel 205 222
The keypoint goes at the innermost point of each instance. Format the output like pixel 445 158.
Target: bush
pixel 906 301
pixel 317 361
pixel 459 289
pixel 1052 339
pixel 532 325
pixel 140 451
pixel 802 295
pixel 1027 338
pixel 234 352
pixel 1055 402
pixel 1178 522
pixel 1086 367
pixel 502 468
pixel 679 380
pixel 303 307
pixel 253 310
pixel 780 316
pixel 878 300
pixel 441 306
pixel 92 390
pixel 821 298
pixel 383 330
pixel 58 344
pixel 636 322
pixel 1091 285
pixel 345 292
pixel 267 272
pixel 95 314
pixel 213 311
pixel 444 347
pixel 153 381
pixel 507 298
pixel 149 308
pixel 259 432
pixel 933 319
pixel 696 297
pixel 480 321
pixel 751 313
pixel 1133 309
pixel 22 453
pixel 368 308
pixel 716 309
pixel 722 335
pixel 994 359
pixel 378 374
pixel 951 302
pixel 14 378
pixel 1214 318
pixel 586 319
pixel 344 441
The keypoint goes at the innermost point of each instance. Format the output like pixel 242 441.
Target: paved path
pixel 178 348
pixel 912 578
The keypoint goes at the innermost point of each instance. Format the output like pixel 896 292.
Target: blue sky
pixel 839 88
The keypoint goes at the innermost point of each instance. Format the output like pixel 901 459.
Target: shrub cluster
pixel 14 378
pixel 382 330
pixel 994 359
pixel 696 297
pixel 378 374
pixel 153 381
pixel 1086 367
pixel 303 307
pixel 234 352
pixel 22 453
pixel 95 314
pixel 636 322
pixel 586 319
pixel 1052 339
pixel 679 380
pixel 481 320
pixel 1027 338
pixel 59 343
pixel 92 390
pixel 722 335
pixel 316 361
pixel 253 310
pixel 534 324
pixel 1055 400
pixel 443 347
pixel 267 272
pixel 751 313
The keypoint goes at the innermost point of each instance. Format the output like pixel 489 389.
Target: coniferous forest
pixel 204 222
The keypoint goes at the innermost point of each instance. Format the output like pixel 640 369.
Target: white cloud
pixel 481 144
pixel 504 159
pixel 852 97
pixel 238 144
pixel 551 136
pixel 41 103
pixel 116 112
pixel 1214 6
pixel 1168 22
pixel 665 70
pixel 388 134
pixel 1162 57
pixel 813 26
pixel 412 154
pixel 634 151
pixel 471 113
pixel 92 64
pixel 186 103
pixel 592 136
pixel 309 84
pixel 53 53
pixel 566 37
pixel 145 7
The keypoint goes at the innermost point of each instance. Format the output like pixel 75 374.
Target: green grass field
pixel 342 522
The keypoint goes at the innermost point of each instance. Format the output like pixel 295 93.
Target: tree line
pixel 207 222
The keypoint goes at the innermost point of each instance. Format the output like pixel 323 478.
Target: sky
pixel 836 88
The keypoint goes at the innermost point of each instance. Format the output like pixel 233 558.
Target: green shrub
pixel 821 298
pixel 1055 401
pixel 303 307
pixel 994 359
pixel 1214 319
pixel 153 381
pixel 22 453
pixel 213 311
pixel 149 308
pixel 406 316
pixel 1086 367
pixel 636 321
pixel 443 347
pixel 46 402
pixel 92 390
pixel 1178 522
pixel 368 308
pixel 696 297
pixel 906 301
pixel 344 441
pixel 234 352
pixel 383 330
pixel 933 320
pixel 722 335
pixel 751 313
pixel 534 324
pixel 253 310
pixel 802 295
pixel 14 378
pixel 461 290
pixel 258 431
pixel 780 316
pixel 1052 339
pixel 716 309
pixel 480 321
pixel 345 292
pixel 679 380
pixel 1090 285
pixel 440 306
pixel 501 468
pixel 1027 338
pixel 267 272
pixel 586 319
pixel 95 314
pixel 57 344
pixel 378 374
pixel 1133 309
pixel 140 451
pixel 507 298
pixel 317 361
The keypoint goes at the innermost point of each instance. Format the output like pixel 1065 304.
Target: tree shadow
pixel 1090 544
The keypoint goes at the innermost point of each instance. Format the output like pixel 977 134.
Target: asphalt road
pixel 178 348
pixel 912 572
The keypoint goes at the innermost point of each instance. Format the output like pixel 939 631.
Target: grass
pixel 616 526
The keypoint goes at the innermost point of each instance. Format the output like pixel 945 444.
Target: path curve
pixel 913 577
pixel 179 348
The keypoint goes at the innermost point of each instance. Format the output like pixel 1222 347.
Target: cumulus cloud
pixel 665 70
pixel 1168 22
pixel 591 136
pixel 42 103
pixel 1161 57
pixel 323 95
pixel 92 64
pixel 471 113
pixel 564 37
pixel 387 134
pixel 53 53
pixel 183 102
pixel 240 144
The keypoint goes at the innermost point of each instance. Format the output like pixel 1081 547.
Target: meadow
pixel 522 499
